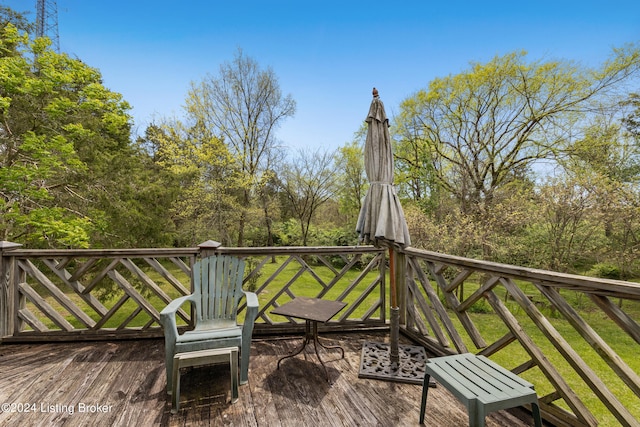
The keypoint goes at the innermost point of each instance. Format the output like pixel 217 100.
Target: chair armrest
pixel 252 311
pixel 252 299
pixel 174 305
pixel 168 316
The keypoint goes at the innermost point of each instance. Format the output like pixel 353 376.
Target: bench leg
pixel 425 391
pixel 535 410
pixel 476 413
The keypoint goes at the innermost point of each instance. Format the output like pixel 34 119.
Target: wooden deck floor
pixel 123 384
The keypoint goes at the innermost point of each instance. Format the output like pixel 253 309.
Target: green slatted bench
pixel 482 385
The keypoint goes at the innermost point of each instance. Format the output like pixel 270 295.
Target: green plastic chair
pixel 217 284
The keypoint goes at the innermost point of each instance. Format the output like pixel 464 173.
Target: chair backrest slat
pixel 204 272
pixel 218 281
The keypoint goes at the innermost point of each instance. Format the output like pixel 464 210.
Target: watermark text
pixel 57 408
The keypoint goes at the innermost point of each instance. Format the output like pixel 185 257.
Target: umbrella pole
pixel 392 275
pixel 395 312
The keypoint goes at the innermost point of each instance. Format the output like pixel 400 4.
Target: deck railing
pixel 514 313
pixel 449 304
pixel 118 293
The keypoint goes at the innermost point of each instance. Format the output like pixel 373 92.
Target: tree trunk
pixel 243 217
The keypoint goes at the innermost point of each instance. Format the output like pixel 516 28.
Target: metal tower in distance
pixel 47 21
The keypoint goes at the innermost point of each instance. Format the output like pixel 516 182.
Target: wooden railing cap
pixel 210 244
pixel 7 246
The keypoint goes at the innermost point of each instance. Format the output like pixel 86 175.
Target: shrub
pixel 605 270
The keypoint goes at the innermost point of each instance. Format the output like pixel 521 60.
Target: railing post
pixel 382 270
pixel 8 289
pixel 401 288
pixel 209 248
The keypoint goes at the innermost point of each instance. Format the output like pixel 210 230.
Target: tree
pixel 631 119
pixel 203 179
pixel 69 174
pixel 487 127
pixel 17 19
pixel 351 177
pixel 62 139
pixel 569 228
pixel 414 164
pixel 608 159
pixel 244 106
pixel 267 195
pixel 308 182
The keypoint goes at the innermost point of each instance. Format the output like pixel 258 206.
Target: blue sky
pixel 328 55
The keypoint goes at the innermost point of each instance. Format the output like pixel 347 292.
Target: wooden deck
pixel 123 384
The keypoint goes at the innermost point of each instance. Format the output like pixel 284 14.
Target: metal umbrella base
pixel 376 363
pixel 399 362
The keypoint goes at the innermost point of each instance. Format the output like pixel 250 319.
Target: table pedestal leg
pixel 307 338
pixel 316 343
pixel 317 340
pixel 311 334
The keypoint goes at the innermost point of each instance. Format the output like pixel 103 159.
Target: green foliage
pixel 203 178
pixel 481 307
pixel 287 233
pixel 631 118
pixel 415 174
pixel 338 237
pixel 455 233
pixel 38 157
pixel 15 18
pixel 605 270
pixel 351 178
pixel 69 174
pixel 60 230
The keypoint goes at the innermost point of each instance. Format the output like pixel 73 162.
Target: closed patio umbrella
pixel 381 222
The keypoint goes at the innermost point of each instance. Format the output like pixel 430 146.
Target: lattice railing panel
pixel 454 303
pixel 355 279
pixel 92 293
pixel 95 293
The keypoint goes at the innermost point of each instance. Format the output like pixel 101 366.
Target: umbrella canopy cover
pixel 381 221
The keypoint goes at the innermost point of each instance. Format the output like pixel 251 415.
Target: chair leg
pixel 244 362
pixel 169 368
pixel 245 343
pixel 233 367
pixel 169 353
pixel 425 391
pixel 175 388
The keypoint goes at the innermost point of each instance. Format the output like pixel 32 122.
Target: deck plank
pixel 129 376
